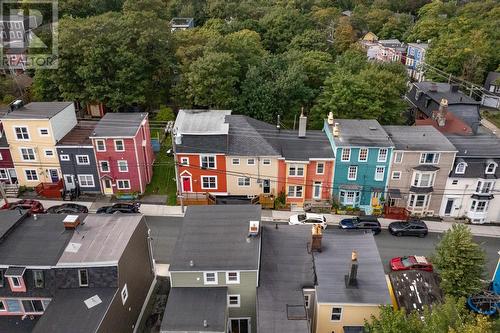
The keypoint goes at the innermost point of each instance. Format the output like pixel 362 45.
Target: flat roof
pixel 361 133
pixel 8 219
pixel 215 237
pixel 207 122
pixel 79 135
pixel 101 238
pixel 164 231
pixel 418 138
pixel 334 263
pixel 38 110
pixel 67 311
pixel 37 242
pixel 187 308
pixel 119 124
pixel 286 268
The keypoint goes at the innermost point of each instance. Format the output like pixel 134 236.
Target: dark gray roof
pixel 187 308
pixel 286 268
pixel 361 133
pixel 3 140
pixel 420 190
pixel 418 138
pixel 443 90
pixel 315 145
pixel 334 262
pixel 476 168
pixel 249 137
pixel 164 231
pixel 15 271
pixel 215 238
pixel 67 311
pixel 203 144
pixel 426 167
pixel 15 324
pixel 492 76
pixel 476 145
pixel 36 242
pixel 38 110
pixel 119 124
pixel 8 219
pixel 416 289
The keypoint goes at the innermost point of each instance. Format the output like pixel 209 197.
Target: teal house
pixel 363 152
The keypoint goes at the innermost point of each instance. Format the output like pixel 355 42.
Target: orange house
pixel 202 173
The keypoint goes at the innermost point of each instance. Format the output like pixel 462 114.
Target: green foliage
pixel 165 114
pixel 78 8
pixel 6 90
pixel 280 201
pixel 460 262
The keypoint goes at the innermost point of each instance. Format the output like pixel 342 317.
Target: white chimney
pixel 336 130
pixel 330 118
pixel 178 138
pixel 302 124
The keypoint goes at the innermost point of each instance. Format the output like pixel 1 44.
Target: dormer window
pixel 460 168
pixel 491 168
pixel 15 278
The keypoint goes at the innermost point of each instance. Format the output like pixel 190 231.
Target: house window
pixel 28 154
pixel 104 166
pixel 48 153
pixel 346 155
pixel 251 161
pixel 86 180
pixel 382 155
pixel 123 184
pixel 22 133
pixel 31 174
pixel 82 159
pixel 460 169
pixel 296 170
pixel 119 145
pixel 232 277
pixel 83 278
pixel 423 179
pixel 352 173
pixel 336 314
pixel 417 200
pixel 100 145
pixel 320 168
pixel 210 278
pixel 32 306
pixel 15 281
pixel 184 160
pixel 39 279
pixel 209 182
pixel 122 166
pixel 491 168
pixel 124 294
pixel 429 158
pixel 207 161
pixel 307 301
pixel 266 161
pixel 379 173
pixel 454 182
pixel 484 187
pixel 64 157
pixel 243 181
pixel 3 174
pixel 363 155
pixel 295 191
pixel 2 306
pixel 478 206
pixel 43 131
pixel 235 161
pixel 233 301
pixel 396 175
pixel 398 157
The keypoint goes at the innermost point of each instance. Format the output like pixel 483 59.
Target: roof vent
pixel 372 128
pixel 71 222
pixel 253 228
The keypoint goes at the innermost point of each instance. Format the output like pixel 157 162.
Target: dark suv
pixel 120 207
pixel 362 223
pixel 409 228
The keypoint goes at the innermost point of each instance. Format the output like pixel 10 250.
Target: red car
pixel 33 206
pixel 411 262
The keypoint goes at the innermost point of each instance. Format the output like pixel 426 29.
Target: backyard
pixel 492 116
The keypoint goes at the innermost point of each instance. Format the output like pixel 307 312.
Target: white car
pixel 308 218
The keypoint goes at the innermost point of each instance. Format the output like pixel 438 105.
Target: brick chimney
pixel 351 280
pixel 317 236
pixel 442 112
pixel 302 124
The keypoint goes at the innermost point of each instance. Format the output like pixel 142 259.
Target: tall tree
pixel 344 35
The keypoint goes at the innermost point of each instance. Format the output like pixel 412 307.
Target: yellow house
pixel 252 175
pixel 32 132
pixel 370 37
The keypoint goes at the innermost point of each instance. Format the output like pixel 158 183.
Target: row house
pixel 470 190
pixel 123 153
pixel 421 162
pixel 78 283
pixel 491 98
pixel 415 60
pixel 363 151
pixel 32 132
pixel 7 171
pixel 385 50
pixel 443 106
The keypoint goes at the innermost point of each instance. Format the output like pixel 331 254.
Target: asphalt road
pixel 391 246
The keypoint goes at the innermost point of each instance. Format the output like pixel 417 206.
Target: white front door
pixel 69 182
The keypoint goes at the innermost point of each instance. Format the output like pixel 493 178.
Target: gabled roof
pixel 250 137
pixel 444 90
pixel 79 135
pixel 115 124
pixel 361 133
pixel 487 146
pixel 418 138
pixel 38 110
pixel 315 145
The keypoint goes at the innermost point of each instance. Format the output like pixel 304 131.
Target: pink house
pixel 123 151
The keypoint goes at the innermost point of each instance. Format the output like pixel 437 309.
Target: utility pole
pixel 177 177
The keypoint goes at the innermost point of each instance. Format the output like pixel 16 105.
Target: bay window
pixel 423 179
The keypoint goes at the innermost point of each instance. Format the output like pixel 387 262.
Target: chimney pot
pixel 205 323
pixel 302 124
pixel 336 130
pixel 191 263
pixel 330 118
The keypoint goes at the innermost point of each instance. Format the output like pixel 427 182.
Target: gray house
pixel 214 271
pixel 77 159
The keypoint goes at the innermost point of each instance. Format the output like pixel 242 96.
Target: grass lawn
pixel 163 181
pixel 494 117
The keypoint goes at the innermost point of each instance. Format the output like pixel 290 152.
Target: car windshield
pixel 301 217
pixel 406 261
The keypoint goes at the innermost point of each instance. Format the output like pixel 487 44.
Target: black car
pixel 362 223
pixel 409 228
pixel 120 207
pixel 67 209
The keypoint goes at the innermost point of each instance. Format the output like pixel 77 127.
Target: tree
pixel 309 40
pixel 460 262
pixel 344 35
pixel 396 27
pixel 78 8
pixel 6 90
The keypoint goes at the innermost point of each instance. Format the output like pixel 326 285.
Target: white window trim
pixel 483 182
pixel 97 145
pixel 4 171
pixel 123 180
pixel 80 277
pixel 233 160
pixel 40 131
pixel 295 191
pixel 4 306
pixel 420 174
pixel 83 176
pixel 118 165
pixel 238 297
pixel 244 178
pixel 297 167
pixel 250 159
pixel 376 174
pixel 123 145
pixel 209 188
pixel 355 174
pixel 323 164
pixel 237 278
pixel 266 161
pixel 396 154
pixel 15 278
pixel 22 157
pixel 385 156
pixel 48 156
pixel 27 132
pixel 474 205
pixel 64 157
pixel 495 165
pixel 342 155
pixel 36 174
pixel 84 156
pixel 394 173
pixel 185 161
pixel 341 313
pixel 359 154
pixel 100 166
pixel 124 294
pixel 208 155
pixel 433 162
pixel 456 168
pixel 210 282
pixel 317 184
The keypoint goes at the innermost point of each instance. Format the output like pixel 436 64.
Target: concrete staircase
pixel 11 190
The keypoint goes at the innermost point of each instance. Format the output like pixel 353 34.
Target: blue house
pixel 363 152
pixel 415 57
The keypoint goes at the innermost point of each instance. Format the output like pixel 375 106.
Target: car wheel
pixel 399 234
pixel 422 235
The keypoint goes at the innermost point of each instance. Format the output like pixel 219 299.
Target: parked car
pixel 411 262
pixel 409 228
pixel 67 208
pixel 362 223
pixel 33 206
pixel 120 207
pixel 308 218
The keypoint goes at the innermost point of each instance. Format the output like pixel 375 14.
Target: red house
pixel 7 171
pixel 124 155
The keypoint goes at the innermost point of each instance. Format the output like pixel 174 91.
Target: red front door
pixel 186 184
